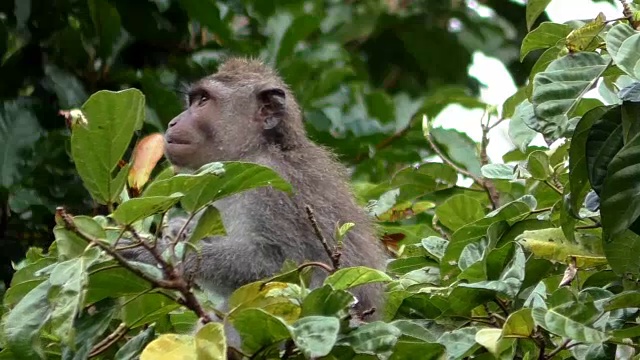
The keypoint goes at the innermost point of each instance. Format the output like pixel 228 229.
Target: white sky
pixel 499 84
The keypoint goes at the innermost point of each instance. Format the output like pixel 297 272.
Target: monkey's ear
pixel 272 107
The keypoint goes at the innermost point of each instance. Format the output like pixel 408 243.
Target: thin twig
pixel 487 185
pixel 334 254
pixel 555 351
pixel 321 265
pixel 111 339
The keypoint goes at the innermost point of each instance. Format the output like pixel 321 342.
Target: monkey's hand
pixel 173 232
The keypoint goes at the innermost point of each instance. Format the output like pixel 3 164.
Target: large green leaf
pixel 534 9
pixel 621 253
pixel 558 90
pixel 459 210
pixel 22 324
pixel 19 130
pixel 578 171
pixel 215 181
pixel 544 36
pixel 620 196
pixel 520 133
pixel 258 329
pixel 622 44
pixel 98 145
pixel 315 335
pixel 139 208
pixel 572 320
pixel 604 141
pixel 354 276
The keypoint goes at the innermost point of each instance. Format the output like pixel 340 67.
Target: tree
pixel 536 258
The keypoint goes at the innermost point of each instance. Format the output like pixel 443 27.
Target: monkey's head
pixel 242 109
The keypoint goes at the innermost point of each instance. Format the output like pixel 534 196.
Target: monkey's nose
pixel 172 122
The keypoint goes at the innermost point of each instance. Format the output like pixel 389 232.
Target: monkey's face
pixel 223 122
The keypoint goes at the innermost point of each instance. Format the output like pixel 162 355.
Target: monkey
pixel 246 112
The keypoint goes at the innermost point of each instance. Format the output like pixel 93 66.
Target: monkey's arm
pixel 221 261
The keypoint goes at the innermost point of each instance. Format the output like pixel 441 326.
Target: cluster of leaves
pixel 535 259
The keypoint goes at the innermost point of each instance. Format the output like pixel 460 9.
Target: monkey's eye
pixel 198 99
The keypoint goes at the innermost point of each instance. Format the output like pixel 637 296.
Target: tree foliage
pixel 533 257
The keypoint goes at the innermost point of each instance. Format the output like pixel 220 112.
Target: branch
pixel 486 184
pixel 335 253
pixel 111 339
pixel 555 351
pixel 173 281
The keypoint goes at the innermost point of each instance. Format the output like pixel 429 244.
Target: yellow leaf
pixel 211 343
pixel 170 347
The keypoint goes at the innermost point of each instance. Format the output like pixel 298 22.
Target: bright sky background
pixel 499 84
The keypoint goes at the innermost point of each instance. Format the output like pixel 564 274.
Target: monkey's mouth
pixel 176 141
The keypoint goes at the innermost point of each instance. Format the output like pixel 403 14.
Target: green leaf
pixel 620 196
pixel 146 308
pixel 509 105
pixel 112 117
pixel 627 299
pixel 435 246
pixel 547 57
pixel 315 335
pixel 258 329
pixel 492 340
pixel 23 323
pixel 109 280
pixel 622 43
pixel 519 324
pixel 578 175
pixel 215 181
pixel 546 35
pixel 89 327
pixel 140 208
pixel 604 141
pixel 211 343
pixel 67 293
pixel 621 253
pixel 538 165
pixel 519 132
pixel 460 342
pixel 568 320
pixel 19 130
pixel 502 217
pixel 534 9
pixel 209 224
pixel 459 148
pixel 376 338
pixel 430 177
pixel 510 280
pixel 326 301
pixel 499 171
pixel 551 244
pixel 132 348
pixel 558 90
pixel 459 210
pixel 630 123
pixel 354 276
